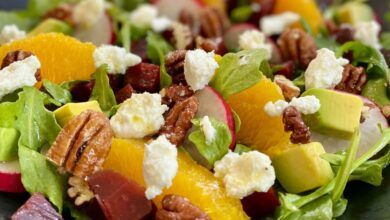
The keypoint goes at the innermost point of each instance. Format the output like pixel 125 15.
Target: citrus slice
pixel 192 180
pixel 62 57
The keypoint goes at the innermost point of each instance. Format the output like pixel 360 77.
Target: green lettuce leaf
pixel 9 112
pixel 238 71
pixel 240 148
pixel 237 121
pixel 9 144
pixel 57 92
pixel 39 8
pixel 18 18
pixel 77 214
pixel 102 91
pixel 376 90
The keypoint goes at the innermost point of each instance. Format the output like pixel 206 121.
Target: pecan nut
pixel 213 22
pixel 287 86
pixel 181 36
pixel 79 190
pixel 293 122
pixel 353 79
pixel 175 207
pixel 63 12
pixel 174 62
pixel 83 144
pixel 297 45
pixel 175 93
pixel 18 55
pixel 211 44
pixel 178 120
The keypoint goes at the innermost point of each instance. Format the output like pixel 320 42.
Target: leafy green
pixel 306 26
pixel 240 148
pixel 376 90
pixel 20 19
pixel 128 5
pixel 266 69
pixel 77 214
pixel 237 121
pixel 385 40
pixel 215 150
pixel 238 71
pixel 38 175
pixel 102 91
pixel 39 8
pixel 9 112
pixel 57 92
pixel 69 84
pixel 241 14
pixel 9 144
pixel 125 35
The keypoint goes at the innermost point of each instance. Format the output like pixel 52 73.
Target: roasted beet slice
pixel 120 197
pixel 286 69
pixel 82 91
pixel 37 208
pixel 260 204
pixel 124 93
pixel 144 77
pixel 139 47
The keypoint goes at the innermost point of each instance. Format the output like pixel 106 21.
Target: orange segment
pixel 62 57
pixel 220 4
pixel 192 180
pixel 306 8
pixel 259 130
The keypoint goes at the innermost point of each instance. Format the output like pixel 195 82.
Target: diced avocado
pixel 354 12
pixel 51 25
pixel 70 110
pixel 339 114
pixel 301 168
pixel 8 144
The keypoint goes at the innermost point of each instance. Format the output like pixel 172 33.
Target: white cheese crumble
pixel 325 71
pixel 368 33
pixel 306 104
pixel 11 33
pixel 275 109
pixel 199 68
pixel 18 74
pixel 208 130
pixel 88 12
pixel 159 166
pixel 254 39
pixel 139 116
pixel 117 58
pixel 276 24
pixel 144 15
pixel 245 174
pixel 161 24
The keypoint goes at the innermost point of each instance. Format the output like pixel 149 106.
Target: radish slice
pixel 165 7
pixel 10 177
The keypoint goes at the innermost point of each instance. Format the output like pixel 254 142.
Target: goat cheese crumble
pixel 139 116
pixel 161 24
pixel 11 33
pixel 18 74
pixel 87 12
pixel 254 39
pixel 325 71
pixel 159 166
pixel 306 105
pixel 199 68
pixel 144 15
pixel 117 58
pixel 368 33
pixel 275 109
pixel 208 130
pixel 245 174
pixel 276 24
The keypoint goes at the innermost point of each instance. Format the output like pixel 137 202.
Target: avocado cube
pixel 9 144
pixel 51 25
pixel 354 12
pixel 301 168
pixel 339 114
pixel 71 110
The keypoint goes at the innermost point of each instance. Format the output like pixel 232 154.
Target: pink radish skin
pixel 10 177
pixel 165 7
pixel 231 36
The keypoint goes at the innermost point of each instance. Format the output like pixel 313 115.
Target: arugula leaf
pixel 266 69
pixel 39 8
pixel 102 91
pixel 128 5
pixel 376 90
pixel 38 175
pixel 125 35
pixel 9 112
pixel 67 85
pixel 241 14
pixel 237 120
pixel 238 71
pixel 9 144
pixel 17 18
pixel 57 92
pixel 385 40
pixel 215 150
pixel 240 148
pixel 77 214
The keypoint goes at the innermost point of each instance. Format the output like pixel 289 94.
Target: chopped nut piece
pixel 79 191
pixel 288 88
pixel 297 45
pixel 63 12
pixel 386 111
pixel 293 122
pixel 36 207
pixel 182 36
pixel 211 44
pixel 176 93
pixel 18 55
pixel 174 63
pixel 213 22
pixel 353 79
pixel 175 207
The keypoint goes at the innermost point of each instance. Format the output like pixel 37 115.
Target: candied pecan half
pixel 293 122
pixel 174 62
pixel 18 55
pixel 213 22
pixel 83 144
pixel 211 44
pixel 176 207
pixel 287 86
pixel 188 18
pixel 63 12
pixel 178 120
pixel 297 45
pixel 353 79
pixel 175 93
pixel 36 207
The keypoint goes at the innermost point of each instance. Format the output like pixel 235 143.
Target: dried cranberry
pixel 144 77
pixel 124 93
pixel 286 69
pixel 140 48
pixel 260 204
pixel 82 91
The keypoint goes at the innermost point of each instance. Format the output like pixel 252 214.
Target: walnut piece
pixel 297 45
pixel 178 120
pixel 79 190
pixel 174 62
pixel 63 12
pixel 83 144
pixel 175 93
pixel 353 79
pixel 18 55
pixel 213 22
pixel 293 122
pixel 175 207
pixel 287 86
pixel 182 36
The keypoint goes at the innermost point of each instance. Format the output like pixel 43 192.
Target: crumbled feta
pixel 199 68
pixel 11 33
pixel 254 39
pixel 306 104
pixel 368 33
pixel 139 116
pixel 276 24
pixel 325 71
pixel 117 59
pixel 208 130
pixel 18 74
pixel 144 15
pixel 161 24
pixel 275 109
pixel 159 166
pixel 87 12
pixel 245 174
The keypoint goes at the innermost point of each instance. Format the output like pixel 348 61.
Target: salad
pixel 191 109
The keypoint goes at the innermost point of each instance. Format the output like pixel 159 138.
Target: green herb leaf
pixel 39 8
pixel 9 144
pixel 376 90
pixel 240 148
pixel 237 121
pixel 238 71
pixel 77 214
pixel 57 92
pixel 128 5
pixel 102 91
pixel 9 112
pixel 241 14
pixel 19 19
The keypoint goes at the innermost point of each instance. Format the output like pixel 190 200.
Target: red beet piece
pixel 119 197
pixel 115 81
pixel 287 69
pixel 265 7
pixel 37 208
pixel 124 93
pixel 259 205
pixel 82 91
pixel 139 48
pixel 144 77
